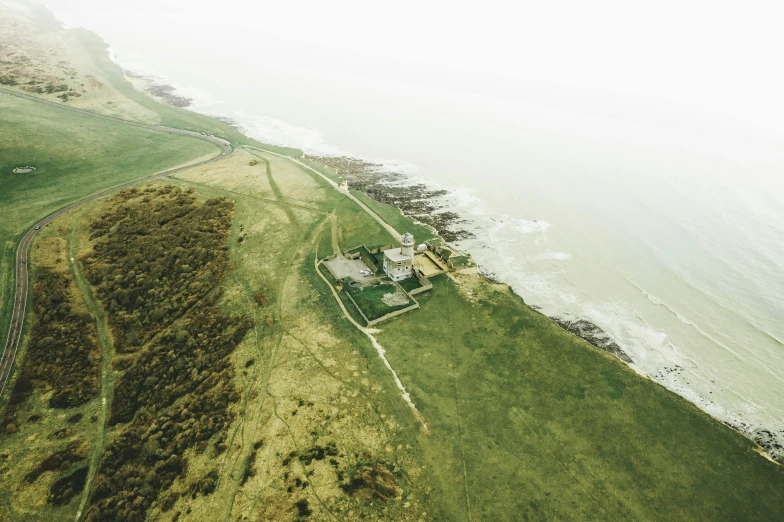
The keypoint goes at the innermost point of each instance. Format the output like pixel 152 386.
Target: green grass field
pixel 526 421
pixel 530 423
pixel 304 352
pixel 412 283
pixel 75 155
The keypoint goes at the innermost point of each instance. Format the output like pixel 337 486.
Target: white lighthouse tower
pixel 399 262
pixel 407 245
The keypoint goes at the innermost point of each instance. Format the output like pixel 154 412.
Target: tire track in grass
pixel 268 369
pixel 457 405
pixel 314 246
pixel 276 189
pixel 269 366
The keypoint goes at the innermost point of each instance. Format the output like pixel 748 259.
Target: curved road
pixel 22 251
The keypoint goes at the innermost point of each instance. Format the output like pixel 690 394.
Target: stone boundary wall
pixel 390 315
pixel 395 313
pixel 426 284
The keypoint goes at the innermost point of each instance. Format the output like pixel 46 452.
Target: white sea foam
pixel 556 256
pixel 277 132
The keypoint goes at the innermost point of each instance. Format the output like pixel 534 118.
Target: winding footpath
pixel 23 250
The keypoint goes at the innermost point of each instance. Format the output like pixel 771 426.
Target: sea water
pixel 667 236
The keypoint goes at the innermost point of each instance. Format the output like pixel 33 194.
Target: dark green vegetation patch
pixel 157 265
pixel 59 460
pixel 63 352
pixel 67 487
pixel 162 252
pixel 75 155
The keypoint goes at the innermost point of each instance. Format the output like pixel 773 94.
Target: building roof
pixel 394 255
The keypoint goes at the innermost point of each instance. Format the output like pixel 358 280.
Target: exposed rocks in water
pixel 229 122
pixel 165 93
pixel 767 439
pixel 414 200
pixel 594 335
pixel 168 95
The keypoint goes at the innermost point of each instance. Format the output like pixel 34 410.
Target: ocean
pixel 661 222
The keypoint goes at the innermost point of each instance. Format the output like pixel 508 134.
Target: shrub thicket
pixel 62 491
pixel 63 352
pixel 169 414
pixel 161 253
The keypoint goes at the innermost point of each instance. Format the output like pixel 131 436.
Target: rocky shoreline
pixel 414 200
pixel 166 93
pixel 594 335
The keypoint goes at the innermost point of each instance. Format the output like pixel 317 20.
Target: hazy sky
pixel 674 47
pixel 720 57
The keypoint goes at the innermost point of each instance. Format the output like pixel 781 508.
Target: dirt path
pixel 379 349
pixel 107 352
pixel 457 408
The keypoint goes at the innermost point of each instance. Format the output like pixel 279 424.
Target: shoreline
pixel 415 200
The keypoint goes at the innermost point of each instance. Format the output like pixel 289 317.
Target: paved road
pixel 23 250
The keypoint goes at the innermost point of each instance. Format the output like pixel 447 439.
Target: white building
pixel 399 262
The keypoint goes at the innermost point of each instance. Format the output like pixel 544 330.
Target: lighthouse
pixel 399 262
pixel 407 245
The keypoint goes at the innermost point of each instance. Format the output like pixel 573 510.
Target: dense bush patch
pixel 67 487
pixel 161 256
pixel 161 253
pixel 63 353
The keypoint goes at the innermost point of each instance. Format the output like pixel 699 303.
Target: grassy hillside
pixel 525 420
pixel 531 423
pixel 232 387
pixel 74 155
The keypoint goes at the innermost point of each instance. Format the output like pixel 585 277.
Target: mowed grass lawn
pixel 75 155
pixel 533 424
